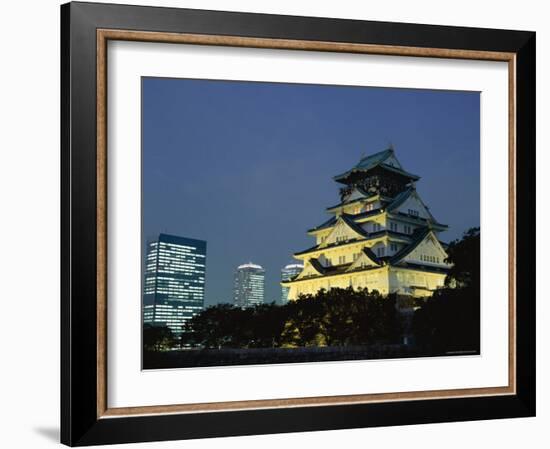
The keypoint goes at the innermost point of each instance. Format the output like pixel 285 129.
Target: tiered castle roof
pixel 384 160
pixel 379 182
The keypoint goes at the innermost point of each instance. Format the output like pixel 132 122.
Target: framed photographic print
pixel 280 224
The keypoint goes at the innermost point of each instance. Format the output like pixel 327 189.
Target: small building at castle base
pixel 380 236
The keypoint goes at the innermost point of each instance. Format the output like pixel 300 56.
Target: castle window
pixel 413 212
pixel 380 251
pixel 341 260
pixel 393 226
pixel 393 247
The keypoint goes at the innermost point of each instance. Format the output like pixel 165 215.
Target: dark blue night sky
pixel 248 166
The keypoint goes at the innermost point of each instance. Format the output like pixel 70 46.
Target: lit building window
pixel 369 207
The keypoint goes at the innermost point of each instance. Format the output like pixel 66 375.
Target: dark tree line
pixel 157 338
pixel 338 317
pixel 450 319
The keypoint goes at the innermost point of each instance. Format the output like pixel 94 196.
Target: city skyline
pixel 254 186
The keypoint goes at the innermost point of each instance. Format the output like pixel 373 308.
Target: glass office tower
pixel 174 281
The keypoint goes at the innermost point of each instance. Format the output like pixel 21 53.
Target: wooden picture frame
pixel 86 418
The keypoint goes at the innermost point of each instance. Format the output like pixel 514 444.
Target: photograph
pixel 294 223
pixel 277 223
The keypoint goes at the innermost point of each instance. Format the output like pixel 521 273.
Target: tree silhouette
pixel 450 320
pixel 464 254
pixel 157 338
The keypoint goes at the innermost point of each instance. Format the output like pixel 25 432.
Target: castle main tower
pixel 380 236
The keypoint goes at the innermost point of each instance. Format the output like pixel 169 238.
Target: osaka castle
pixel 380 236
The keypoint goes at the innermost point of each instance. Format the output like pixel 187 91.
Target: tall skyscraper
pixel 249 285
pixel 174 281
pixel 287 273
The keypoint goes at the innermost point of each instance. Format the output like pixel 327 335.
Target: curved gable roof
pixel 353 226
pixel 418 237
pixel 404 196
pixel 400 199
pixel 370 254
pixel 327 224
pixel 374 160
